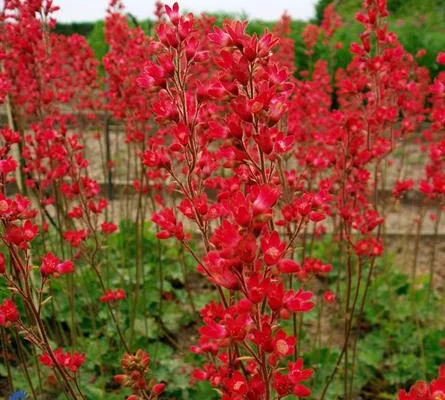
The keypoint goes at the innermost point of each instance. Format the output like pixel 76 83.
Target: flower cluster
pixel 434 390
pixel 113 295
pixel 244 251
pixel 52 265
pixel 8 313
pixel 136 368
pixel 70 361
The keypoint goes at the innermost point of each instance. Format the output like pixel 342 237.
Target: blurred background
pixel 420 24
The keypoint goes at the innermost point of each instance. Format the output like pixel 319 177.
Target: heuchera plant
pixel 248 353
pixel 229 147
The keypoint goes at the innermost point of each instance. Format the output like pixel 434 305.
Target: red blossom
pixel 402 186
pixel 71 361
pixel 9 313
pixel 52 265
pixel 166 220
pixel 329 297
pixel 113 295
pixel 108 227
pixel 75 238
pixel 368 247
pixel 435 390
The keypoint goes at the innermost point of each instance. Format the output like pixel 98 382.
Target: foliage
pixel 401 338
pixel 96 40
pixel 81 28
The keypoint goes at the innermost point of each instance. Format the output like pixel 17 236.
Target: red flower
pixel 283 345
pixel 98 206
pixel 401 187
pixel 158 388
pixel 173 13
pixel 113 295
pixel 220 37
pixel 8 165
pixel 310 36
pixel 70 360
pixel 299 301
pixel 265 198
pixel 275 294
pixel 75 238
pixel 313 266
pixel 368 247
pixel 155 159
pixel 288 266
pixel 65 267
pixel 213 330
pixel 76 212
pixel 297 374
pixel 272 248
pixel 226 236
pixel 51 265
pixel 30 231
pixel 329 297
pixel 256 288
pixel 282 384
pixel 108 227
pixel 237 384
pixel 8 312
pixel 220 270
pixel 166 220
pixel 424 391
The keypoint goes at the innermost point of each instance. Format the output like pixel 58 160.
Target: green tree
pixel 319 9
pixel 96 39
